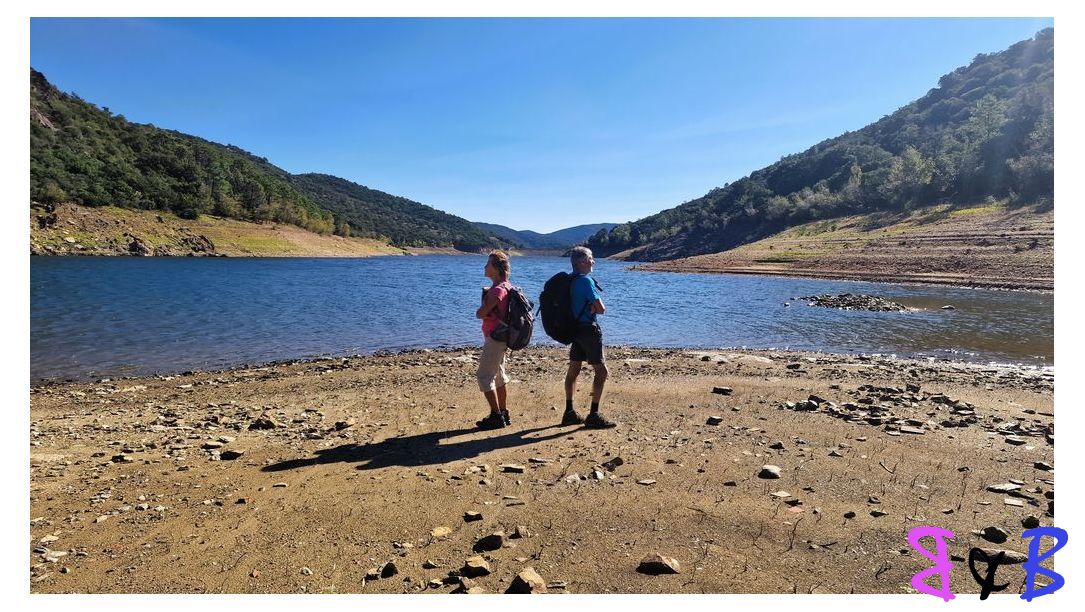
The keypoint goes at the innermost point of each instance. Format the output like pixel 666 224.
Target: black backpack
pixel 519 321
pixel 555 303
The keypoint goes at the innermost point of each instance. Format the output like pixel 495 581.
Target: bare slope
pixel 79 230
pixel 984 246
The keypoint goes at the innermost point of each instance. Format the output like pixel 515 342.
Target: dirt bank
pixel 309 476
pixel 69 229
pixel 983 246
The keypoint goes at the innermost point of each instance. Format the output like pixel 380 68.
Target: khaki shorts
pixel 491 365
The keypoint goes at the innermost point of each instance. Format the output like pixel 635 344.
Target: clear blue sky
pixel 532 123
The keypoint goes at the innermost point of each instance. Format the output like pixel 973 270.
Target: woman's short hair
pixel 579 254
pixel 500 260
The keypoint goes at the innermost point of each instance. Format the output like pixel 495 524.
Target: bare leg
pixel 570 379
pixel 491 398
pixel 601 373
pixel 501 396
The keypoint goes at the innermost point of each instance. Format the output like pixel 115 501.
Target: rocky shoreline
pixel 730 472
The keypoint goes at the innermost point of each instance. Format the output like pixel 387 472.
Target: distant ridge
pixel 559 239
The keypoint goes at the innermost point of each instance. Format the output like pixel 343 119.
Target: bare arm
pixel 597 307
pixel 487 305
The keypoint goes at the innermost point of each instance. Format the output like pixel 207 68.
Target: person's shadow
pixel 421 449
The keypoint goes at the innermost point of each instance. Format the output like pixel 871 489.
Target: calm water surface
pixel 114 315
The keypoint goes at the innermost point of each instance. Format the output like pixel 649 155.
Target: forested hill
pixel 400 221
pixel 88 155
pixel 560 239
pixel 986 131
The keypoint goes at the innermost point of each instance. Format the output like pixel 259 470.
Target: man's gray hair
pixel 579 254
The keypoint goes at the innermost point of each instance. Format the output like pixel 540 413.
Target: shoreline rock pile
pixel 851 301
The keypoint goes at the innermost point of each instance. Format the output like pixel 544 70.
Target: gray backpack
pixel 519 322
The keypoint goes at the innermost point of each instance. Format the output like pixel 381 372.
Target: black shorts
pixel 587 344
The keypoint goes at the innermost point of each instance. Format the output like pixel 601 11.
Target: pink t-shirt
pixel 497 315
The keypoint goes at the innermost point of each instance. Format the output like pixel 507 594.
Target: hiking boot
pixel 505 418
pixel 571 418
pixel 492 421
pixel 595 420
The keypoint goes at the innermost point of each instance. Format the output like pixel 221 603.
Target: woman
pixel 491 365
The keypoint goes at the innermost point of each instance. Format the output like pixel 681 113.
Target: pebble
pixel 471 515
pixel 722 390
pixel 646 481
pixel 1030 522
pixel 494 541
pixel 440 532
pixel 995 534
pixel 513 468
pixel 878 513
pixel 769 472
pixel 475 566
pixel 656 564
pixel 306 571
pixel 526 582
pixel 230 455
pixel 714 420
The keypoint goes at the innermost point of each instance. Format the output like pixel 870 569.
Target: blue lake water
pixel 111 316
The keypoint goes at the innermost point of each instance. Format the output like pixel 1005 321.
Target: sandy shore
pixel 311 476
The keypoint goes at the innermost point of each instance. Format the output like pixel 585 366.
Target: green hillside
pixel 402 222
pixel 83 154
pixel 87 155
pixel 986 131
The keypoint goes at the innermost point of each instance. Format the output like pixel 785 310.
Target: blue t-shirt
pixel 584 295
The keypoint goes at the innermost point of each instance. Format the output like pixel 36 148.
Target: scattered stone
pixel 428 564
pixel 440 532
pixel 1017 503
pixel 877 513
pixel 526 582
pixel 613 463
pixel 781 494
pixel 834 453
pixel 1040 465
pixel 1003 488
pixel 281 485
pixel 1009 556
pixel 494 541
pixel 513 468
pixel 471 516
pixel 520 532
pixel 341 425
pixel 1030 522
pixel 231 454
pixel 769 472
pixel 714 420
pixel 646 482
pixel 389 570
pixel 263 423
pixel 912 430
pixel 475 566
pixel 655 564
pixel 994 534
pixel 849 515
pixel 722 390
pixel 1015 440
pixel 777 445
pixel 306 571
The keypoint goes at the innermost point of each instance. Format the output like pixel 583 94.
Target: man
pixel 587 345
